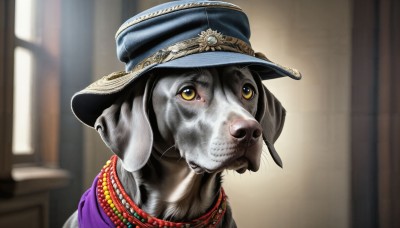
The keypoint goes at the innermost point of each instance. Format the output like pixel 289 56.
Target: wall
pixel 312 190
pixel 76 58
pixel 107 19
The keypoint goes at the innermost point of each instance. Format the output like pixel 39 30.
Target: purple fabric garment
pixel 90 213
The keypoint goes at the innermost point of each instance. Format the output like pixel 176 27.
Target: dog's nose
pixel 246 131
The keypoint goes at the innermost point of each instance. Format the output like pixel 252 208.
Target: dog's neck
pixel 172 191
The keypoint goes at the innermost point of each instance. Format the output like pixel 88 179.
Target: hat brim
pixel 89 103
pixel 266 69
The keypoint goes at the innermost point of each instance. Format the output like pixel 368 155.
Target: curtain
pixel 375 120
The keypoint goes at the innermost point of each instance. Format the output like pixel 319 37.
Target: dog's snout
pixel 247 131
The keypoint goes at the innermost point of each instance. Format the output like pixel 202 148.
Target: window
pixel 24 65
pixel 29 76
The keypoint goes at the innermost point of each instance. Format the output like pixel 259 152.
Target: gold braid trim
pixel 209 40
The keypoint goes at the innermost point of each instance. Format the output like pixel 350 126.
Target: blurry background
pixel 339 146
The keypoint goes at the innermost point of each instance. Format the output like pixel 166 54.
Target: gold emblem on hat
pixel 210 40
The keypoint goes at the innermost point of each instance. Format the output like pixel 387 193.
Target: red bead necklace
pixel 123 212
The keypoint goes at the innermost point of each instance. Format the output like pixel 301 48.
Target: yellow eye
pixel 188 93
pixel 247 92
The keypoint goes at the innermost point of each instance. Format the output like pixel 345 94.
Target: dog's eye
pixel 188 93
pixel 248 92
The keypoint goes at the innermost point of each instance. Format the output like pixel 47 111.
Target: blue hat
pixel 177 34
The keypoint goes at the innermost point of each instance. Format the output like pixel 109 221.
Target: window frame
pixel 7 9
pixel 46 93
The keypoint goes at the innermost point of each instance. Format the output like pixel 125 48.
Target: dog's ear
pixel 125 127
pixel 271 115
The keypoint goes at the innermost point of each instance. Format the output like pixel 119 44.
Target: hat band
pixel 209 40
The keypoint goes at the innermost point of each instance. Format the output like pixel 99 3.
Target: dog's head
pixel 214 118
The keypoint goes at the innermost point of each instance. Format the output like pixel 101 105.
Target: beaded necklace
pixel 123 212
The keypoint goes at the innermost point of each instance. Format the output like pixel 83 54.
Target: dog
pixel 189 105
pixel 185 127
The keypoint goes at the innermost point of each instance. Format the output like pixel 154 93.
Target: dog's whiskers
pixel 264 156
pixel 179 159
pixel 173 146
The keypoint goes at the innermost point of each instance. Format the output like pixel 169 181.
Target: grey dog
pixel 188 126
